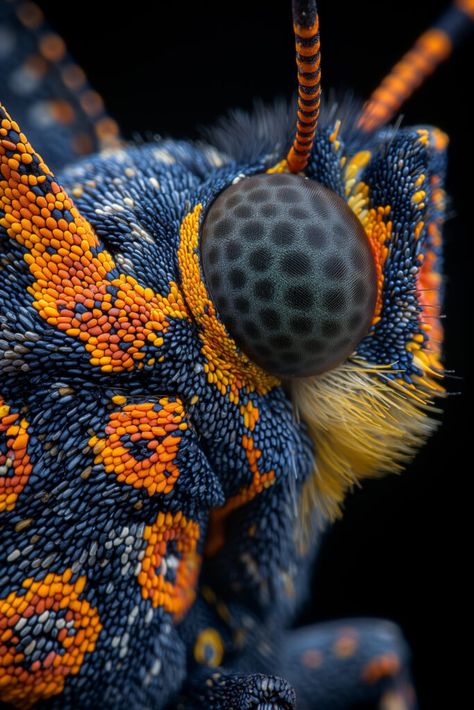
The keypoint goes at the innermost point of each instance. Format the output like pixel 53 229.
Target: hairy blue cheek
pixel 290 270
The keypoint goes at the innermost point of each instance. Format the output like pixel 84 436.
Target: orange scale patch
pixel 375 220
pixel 345 646
pixel 429 278
pixel 23 683
pixel 311 658
pixel 176 597
pixel 74 288
pixel 260 482
pixel 15 465
pixel 154 428
pixel 380 667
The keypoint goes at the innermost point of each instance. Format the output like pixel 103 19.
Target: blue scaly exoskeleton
pixel 162 492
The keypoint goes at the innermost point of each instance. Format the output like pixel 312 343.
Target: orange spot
pixel 52 47
pixel 36 65
pixel 381 667
pixel 14 458
pixel 311 658
pixel 466 6
pixel 30 15
pixel 250 414
pixel 73 77
pixel 152 426
pixel 23 683
pixel 91 102
pixel 345 646
pixel 107 131
pixel 176 597
pixel 62 111
pixel 260 481
pixel 82 144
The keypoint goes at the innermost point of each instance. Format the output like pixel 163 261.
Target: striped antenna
pixel 308 59
pixel 433 47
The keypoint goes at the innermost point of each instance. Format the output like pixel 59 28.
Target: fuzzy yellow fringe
pixel 363 424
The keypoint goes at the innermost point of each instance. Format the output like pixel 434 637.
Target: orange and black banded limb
pixel 308 60
pixel 431 49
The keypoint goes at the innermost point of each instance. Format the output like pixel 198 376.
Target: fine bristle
pixel 364 423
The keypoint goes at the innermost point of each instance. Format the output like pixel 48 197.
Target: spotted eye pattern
pixel 291 272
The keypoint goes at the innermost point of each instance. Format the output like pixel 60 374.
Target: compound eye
pixel 291 272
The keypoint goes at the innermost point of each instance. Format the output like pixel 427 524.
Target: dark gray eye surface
pixel 292 275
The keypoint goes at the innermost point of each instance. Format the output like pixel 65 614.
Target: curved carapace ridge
pixel 291 272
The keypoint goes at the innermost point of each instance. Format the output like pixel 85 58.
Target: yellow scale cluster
pixel 226 367
pixel 375 221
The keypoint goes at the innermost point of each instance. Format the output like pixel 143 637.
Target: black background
pixel 399 552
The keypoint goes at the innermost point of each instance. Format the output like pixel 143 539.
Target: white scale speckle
pixel 214 157
pixel 138 231
pixel 155 183
pixel 124 263
pixel 133 615
pixel 30 648
pixel 172 561
pixel 20 624
pixel 154 671
pixel 238 178
pixel 163 156
pixel 125 569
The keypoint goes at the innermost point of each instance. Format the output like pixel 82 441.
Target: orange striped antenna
pixel 433 47
pixel 308 59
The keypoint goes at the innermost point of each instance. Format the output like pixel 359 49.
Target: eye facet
pixel 291 272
